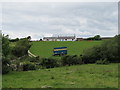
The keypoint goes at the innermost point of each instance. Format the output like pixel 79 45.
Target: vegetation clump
pixel 28 66
pixel 71 60
pixel 49 63
pixel 12 54
pixel 108 50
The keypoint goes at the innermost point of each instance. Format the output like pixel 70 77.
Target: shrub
pixel 71 60
pixel 21 48
pixel 5 65
pixel 5 69
pixel 109 50
pixel 34 59
pixel 28 66
pixel 90 55
pixel 105 61
pixel 49 63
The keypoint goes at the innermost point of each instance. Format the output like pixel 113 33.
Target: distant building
pixel 59 38
pixel 79 39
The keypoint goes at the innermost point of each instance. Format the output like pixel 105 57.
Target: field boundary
pixel 30 54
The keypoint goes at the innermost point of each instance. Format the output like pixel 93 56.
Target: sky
pixel 40 19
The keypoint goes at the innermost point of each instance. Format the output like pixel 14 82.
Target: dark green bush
pixel 49 63
pixel 71 60
pixel 5 69
pixel 90 55
pixel 34 59
pixel 28 66
pixel 5 65
pixel 109 50
pixel 21 48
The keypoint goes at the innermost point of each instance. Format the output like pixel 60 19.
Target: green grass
pixel 45 48
pixel 79 76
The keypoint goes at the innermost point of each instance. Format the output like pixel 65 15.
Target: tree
pixel 21 48
pixel 5 53
pixel 29 38
pixel 40 39
pixel 5 45
pixel 97 37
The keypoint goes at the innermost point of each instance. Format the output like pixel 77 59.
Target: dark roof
pixel 50 38
pixel 67 37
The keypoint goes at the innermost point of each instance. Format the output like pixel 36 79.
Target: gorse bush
pixel 71 60
pixel 28 66
pixel 49 63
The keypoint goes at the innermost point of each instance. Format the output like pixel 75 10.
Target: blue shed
pixel 60 51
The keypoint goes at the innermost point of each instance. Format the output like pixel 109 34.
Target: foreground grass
pixel 80 76
pixel 45 48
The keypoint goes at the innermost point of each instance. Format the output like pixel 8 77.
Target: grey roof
pixel 50 38
pixel 67 37
pixel 60 37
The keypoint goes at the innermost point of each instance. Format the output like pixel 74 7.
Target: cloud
pixel 47 19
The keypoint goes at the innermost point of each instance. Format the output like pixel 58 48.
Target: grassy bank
pixel 45 48
pixel 79 76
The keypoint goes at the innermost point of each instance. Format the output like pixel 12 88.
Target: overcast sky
pixel 50 19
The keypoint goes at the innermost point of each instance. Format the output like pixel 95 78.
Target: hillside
pixel 45 48
pixel 79 76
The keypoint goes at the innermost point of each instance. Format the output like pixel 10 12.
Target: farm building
pixel 59 38
pixel 79 39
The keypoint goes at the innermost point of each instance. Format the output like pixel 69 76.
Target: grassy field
pixel 79 76
pixel 45 48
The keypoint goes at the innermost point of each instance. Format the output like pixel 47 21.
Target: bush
pixel 90 55
pixel 21 48
pixel 5 65
pixel 109 50
pixel 71 60
pixel 105 61
pixel 31 59
pixel 49 63
pixel 5 69
pixel 34 59
pixel 28 66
